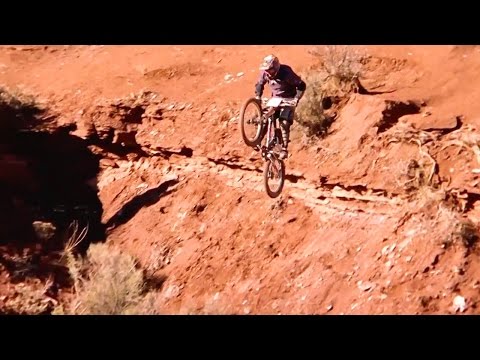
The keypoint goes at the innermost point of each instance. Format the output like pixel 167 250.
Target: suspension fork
pixel 269 127
pixel 271 130
pixel 268 139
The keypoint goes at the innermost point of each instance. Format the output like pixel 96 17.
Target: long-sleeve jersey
pixel 285 84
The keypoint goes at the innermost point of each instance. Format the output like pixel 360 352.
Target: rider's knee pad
pixel 285 124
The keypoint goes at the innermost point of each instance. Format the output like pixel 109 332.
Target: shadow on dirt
pixel 146 199
pixel 183 151
pixel 155 282
pixel 47 175
pixel 64 174
pixel 294 178
pixel 364 91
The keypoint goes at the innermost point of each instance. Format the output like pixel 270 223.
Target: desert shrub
pixel 106 282
pixel 29 299
pixel 329 84
pixel 311 109
pixel 341 62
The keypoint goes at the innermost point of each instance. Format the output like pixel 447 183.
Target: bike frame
pixel 270 135
pixel 272 123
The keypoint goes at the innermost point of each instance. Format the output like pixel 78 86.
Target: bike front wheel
pixel 250 122
pixel 274 177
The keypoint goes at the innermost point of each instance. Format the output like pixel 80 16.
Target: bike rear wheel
pixel 250 122
pixel 274 169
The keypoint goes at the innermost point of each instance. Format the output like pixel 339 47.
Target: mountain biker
pixel 284 83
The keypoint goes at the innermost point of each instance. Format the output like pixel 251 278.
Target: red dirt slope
pixel 347 236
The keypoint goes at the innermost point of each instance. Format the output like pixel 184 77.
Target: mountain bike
pixel 266 137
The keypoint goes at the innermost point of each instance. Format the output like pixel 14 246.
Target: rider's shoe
pixel 283 154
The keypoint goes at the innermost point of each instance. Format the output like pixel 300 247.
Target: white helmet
pixel 270 64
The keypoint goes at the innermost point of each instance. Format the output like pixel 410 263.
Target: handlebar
pixel 276 102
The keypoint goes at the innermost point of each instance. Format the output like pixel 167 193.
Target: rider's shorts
pixel 287 113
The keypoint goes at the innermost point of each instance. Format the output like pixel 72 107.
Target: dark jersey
pixel 285 84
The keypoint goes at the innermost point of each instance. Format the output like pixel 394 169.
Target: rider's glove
pixel 299 95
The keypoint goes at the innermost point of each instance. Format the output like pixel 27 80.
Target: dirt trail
pixel 250 178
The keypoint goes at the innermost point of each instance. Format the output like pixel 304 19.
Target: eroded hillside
pixel 379 213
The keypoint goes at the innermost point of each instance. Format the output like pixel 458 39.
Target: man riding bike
pixel 284 83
